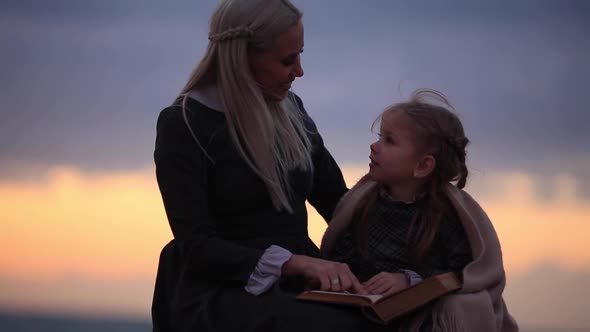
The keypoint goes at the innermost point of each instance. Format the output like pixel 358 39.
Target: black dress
pixel 223 219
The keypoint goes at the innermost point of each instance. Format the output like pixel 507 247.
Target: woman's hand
pixel 386 283
pixel 331 276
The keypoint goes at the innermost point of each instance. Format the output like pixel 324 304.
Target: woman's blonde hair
pixel 270 136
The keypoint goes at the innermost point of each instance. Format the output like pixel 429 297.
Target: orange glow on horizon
pixel 113 226
pixel 88 244
pixel 105 226
pixel 531 232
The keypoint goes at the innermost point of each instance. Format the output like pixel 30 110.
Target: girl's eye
pixel 387 139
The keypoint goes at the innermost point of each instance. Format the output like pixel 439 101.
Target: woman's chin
pixel 276 97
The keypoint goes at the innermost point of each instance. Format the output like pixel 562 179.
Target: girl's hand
pixel 386 283
pixel 331 276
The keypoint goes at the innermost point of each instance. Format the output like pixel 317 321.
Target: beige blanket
pixel 479 305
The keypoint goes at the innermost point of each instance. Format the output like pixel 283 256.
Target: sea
pixel 19 322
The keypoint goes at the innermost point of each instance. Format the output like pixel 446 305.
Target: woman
pixel 236 159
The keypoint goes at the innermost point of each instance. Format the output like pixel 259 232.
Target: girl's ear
pixel 424 167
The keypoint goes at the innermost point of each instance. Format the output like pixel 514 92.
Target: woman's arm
pixel 328 187
pixel 328 182
pixel 181 170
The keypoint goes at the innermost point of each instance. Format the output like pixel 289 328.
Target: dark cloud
pixel 107 10
pixel 516 77
pixel 88 95
pixel 82 82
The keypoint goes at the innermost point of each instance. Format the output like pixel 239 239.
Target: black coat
pixel 222 216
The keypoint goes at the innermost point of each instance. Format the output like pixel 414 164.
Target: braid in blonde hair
pixel 271 137
pixel 232 33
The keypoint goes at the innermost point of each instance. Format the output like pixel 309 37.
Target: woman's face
pixel 277 67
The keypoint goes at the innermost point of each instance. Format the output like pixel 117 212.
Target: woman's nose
pixel 298 70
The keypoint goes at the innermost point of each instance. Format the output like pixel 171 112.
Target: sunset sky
pixel 82 83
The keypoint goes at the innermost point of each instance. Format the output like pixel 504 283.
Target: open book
pixel 384 309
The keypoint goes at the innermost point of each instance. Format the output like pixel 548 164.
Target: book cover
pixel 384 309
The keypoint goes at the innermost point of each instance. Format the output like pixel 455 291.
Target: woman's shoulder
pixel 202 119
pixel 195 110
pixel 296 104
pixel 296 99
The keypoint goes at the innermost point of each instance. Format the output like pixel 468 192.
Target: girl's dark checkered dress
pixel 388 247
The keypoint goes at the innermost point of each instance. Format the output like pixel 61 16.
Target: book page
pixel 373 298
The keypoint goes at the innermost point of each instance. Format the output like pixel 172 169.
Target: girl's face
pixel 276 68
pixel 394 156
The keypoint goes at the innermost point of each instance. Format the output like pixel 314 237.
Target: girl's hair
pixel 438 132
pixel 269 136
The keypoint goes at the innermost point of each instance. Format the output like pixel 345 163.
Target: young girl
pixel 408 219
